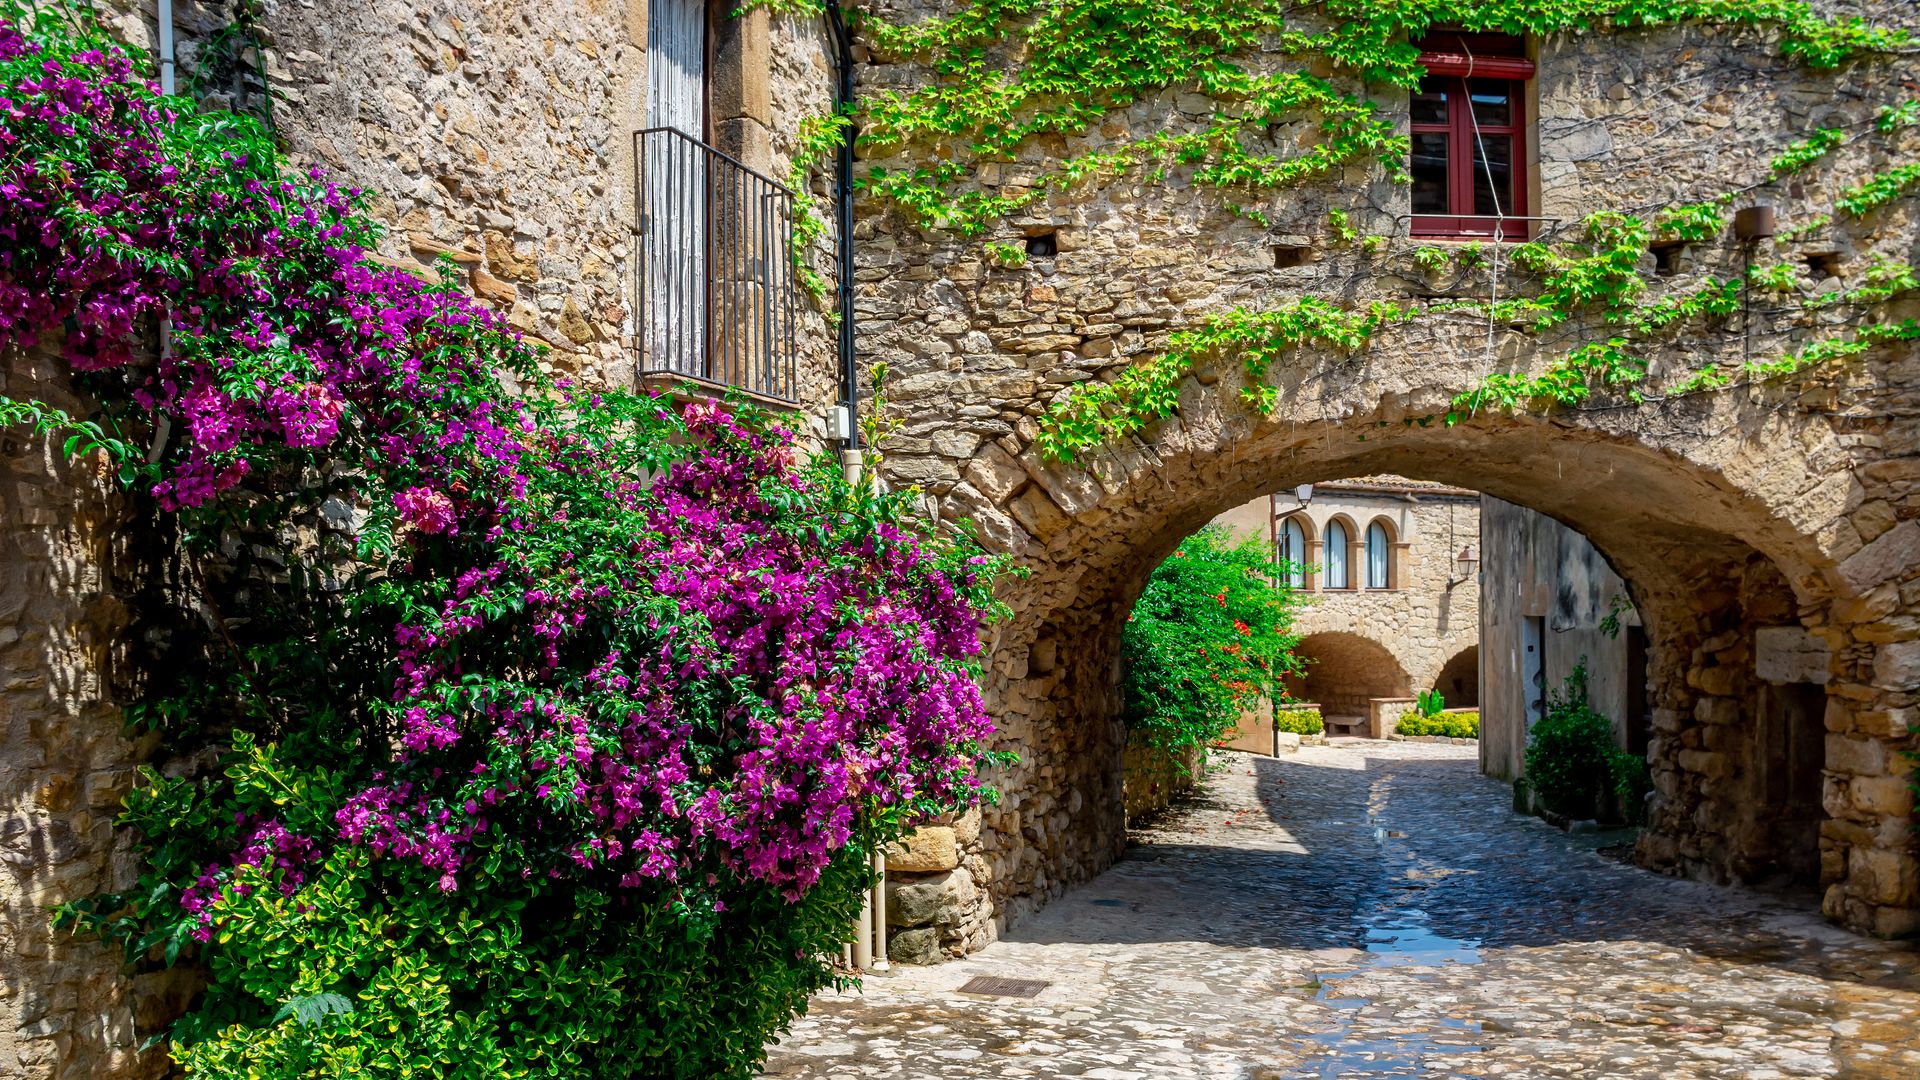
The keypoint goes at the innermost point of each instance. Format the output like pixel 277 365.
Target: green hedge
pixel 1298 721
pixel 1454 725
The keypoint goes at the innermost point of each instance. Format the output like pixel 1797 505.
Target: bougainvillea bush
pixel 513 729
pixel 1209 638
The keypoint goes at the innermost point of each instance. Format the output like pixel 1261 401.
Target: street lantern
pixel 1304 493
pixel 1466 561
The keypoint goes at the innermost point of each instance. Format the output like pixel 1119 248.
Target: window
pixel 1469 136
pixel 1293 552
pixel 1337 556
pixel 1379 557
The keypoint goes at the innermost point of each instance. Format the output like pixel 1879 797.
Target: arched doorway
pixel 1715 544
pixel 1344 673
pixel 1459 679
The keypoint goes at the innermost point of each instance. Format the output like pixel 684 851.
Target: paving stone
pixel 1372 908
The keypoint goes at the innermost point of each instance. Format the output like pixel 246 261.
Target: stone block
pixel 996 473
pixel 937 899
pixel 920 947
pixel 1894 552
pixel 966 827
pixel 926 849
pixel 1791 654
pixel 1896 665
pixel 1887 795
pixel 1880 876
pixel 1715 679
pixel 1856 757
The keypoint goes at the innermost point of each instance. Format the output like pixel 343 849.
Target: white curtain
pixel 1378 553
pixel 1293 550
pixel 1336 544
pixel 674 176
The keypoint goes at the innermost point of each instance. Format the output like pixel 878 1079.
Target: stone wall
pixel 1360 643
pixel 497 136
pixel 65 566
pixel 501 137
pixel 1683 497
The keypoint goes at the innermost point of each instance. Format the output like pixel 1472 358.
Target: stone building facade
pixel 498 137
pixel 1378 626
pixel 1755 528
pixel 1730 515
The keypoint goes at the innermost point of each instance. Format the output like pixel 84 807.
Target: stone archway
pixel 1717 532
pixel 1459 679
pixel 1344 672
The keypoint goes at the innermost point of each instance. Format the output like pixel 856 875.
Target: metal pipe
pixel 880 912
pixel 843 210
pixel 166 46
pixel 863 934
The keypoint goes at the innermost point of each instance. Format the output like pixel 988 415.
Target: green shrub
pixel 1573 763
pixel 1456 725
pixel 1429 703
pixel 1298 721
pixel 1210 637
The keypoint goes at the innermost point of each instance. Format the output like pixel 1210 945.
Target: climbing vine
pixel 1010 70
pixel 954 153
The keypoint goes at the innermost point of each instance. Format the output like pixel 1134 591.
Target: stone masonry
pixel 499 136
pixel 495 136
pixel 1361 642
pixel 1748 511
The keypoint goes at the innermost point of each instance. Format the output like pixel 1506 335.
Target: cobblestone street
pixel 1374 909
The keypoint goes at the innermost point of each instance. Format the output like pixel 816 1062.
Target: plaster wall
pixel 1538 568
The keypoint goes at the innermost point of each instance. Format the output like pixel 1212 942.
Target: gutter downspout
pixel 166 46
pixel 163 425
pixel 843 212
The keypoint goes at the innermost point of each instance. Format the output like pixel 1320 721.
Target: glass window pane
pixel 1492 101
pixel 1336 556
pixel 1430 104
pixel 1293 550
pixel 1377 553
pixel 1493 175
pixel 1429 169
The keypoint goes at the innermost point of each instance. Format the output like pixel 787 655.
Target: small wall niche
pixel 1288 256
pixel 1822 264
pixel 1043 245
pixel 1667 257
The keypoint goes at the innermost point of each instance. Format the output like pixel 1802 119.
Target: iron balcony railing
pixel 715 291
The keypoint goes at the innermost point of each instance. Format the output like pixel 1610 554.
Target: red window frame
pixel 1451 60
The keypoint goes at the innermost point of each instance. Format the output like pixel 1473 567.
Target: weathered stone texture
pixel 62 621
pixel 1753 509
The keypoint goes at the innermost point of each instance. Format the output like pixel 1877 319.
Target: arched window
pixel 1336 543
pixel 1293 552
pixel 1379 557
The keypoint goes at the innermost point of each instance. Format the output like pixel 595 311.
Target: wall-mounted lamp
pixel 1465 562
pixel 1304 493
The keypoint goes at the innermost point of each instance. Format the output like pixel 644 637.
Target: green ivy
pixel 1008 71
pixel 1878 190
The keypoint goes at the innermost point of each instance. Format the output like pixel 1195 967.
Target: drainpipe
pixel 843 212
pixel 166 46
pixel 868 949
pixel 163 425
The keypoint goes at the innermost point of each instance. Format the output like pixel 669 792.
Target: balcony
pixel 716 293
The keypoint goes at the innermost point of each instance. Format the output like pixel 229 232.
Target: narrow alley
pixel 1374 909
